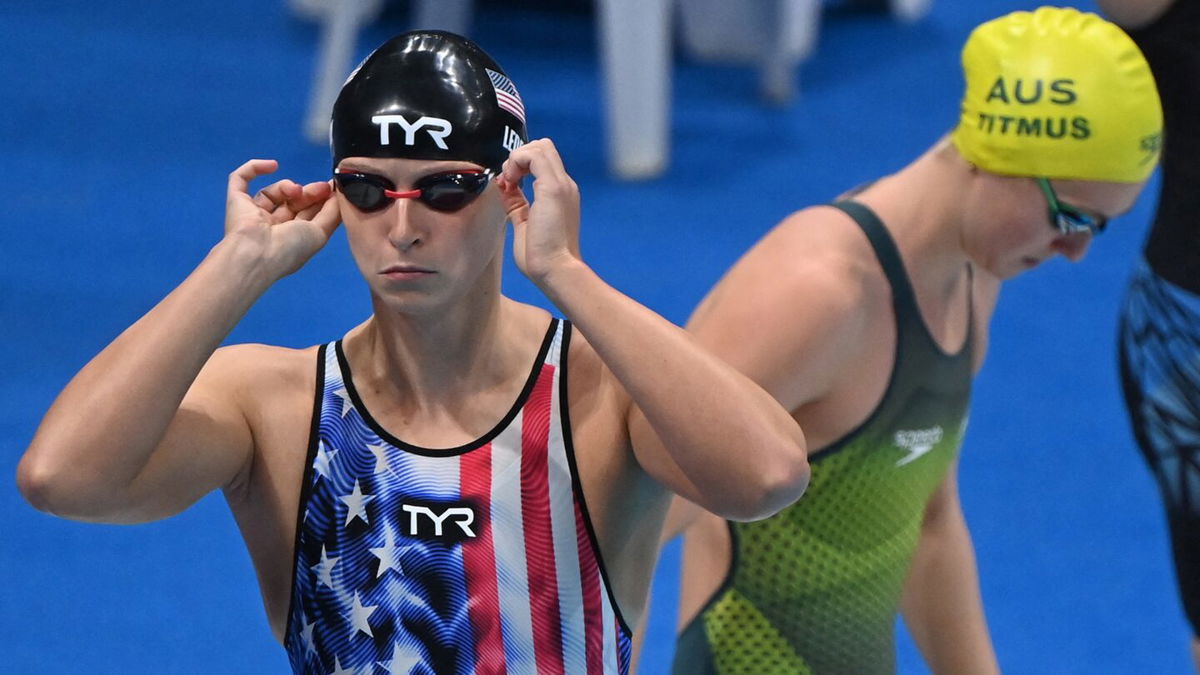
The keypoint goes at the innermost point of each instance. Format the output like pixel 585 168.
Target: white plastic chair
pixel 635 38
pixel 636 59
pixel 772 35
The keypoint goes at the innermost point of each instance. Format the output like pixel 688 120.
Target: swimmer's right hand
pixel 290 222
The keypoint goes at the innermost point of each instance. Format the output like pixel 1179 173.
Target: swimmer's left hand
pixel 546 232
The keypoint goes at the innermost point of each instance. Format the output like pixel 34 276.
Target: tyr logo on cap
pixel 438 129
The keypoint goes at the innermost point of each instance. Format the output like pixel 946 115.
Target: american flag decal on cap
pixel 506 94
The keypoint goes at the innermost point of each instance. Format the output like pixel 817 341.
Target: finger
pixel 262 201
pixel 513 199
pixel 516 166
pixel 550 176
pixel 239 180
pixel 287 200
pixel 328 217
pixel 548 160
pixel 278 194
pixel 541 159
pixel 313 193
pixel 305 202
pixel 315 196
pixel 543 162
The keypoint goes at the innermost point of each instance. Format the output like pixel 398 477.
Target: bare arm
pixel 790 323
pixel 942 605
pixel 696 425
pixel 791 314
pixel 147 428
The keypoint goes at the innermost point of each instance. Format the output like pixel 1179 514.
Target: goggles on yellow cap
pixel 1058 93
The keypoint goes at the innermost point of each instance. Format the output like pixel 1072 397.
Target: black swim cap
pixel 428 95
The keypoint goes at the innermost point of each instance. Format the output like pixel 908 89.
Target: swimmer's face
pixel 417 256
pixel 1012 229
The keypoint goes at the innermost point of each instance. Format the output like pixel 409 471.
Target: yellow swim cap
pixel 1058 93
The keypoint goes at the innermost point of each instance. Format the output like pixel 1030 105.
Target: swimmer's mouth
pixel 406 272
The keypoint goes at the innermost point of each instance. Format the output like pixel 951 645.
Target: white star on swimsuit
pixel 347 404
pixel 339 670
pixel 323 464
pixel 359 616
pixel 381 458
pixel 404 659
pixel 387 554
pixel 356 504
pixel 324 568
pixel 307 634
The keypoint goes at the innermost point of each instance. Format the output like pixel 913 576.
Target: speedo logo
pixel 916 442
pixel 448 522
pixel 437 128
pixel 1150 145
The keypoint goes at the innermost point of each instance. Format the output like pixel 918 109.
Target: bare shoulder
pixel 260 379
pixel 817 253
pixel 829 251
pixel 263 365
pixel 796 306
pixel 273 389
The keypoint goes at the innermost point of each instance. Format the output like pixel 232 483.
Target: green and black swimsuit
pixel 816 588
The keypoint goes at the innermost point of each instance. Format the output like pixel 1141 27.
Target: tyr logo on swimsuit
pixel 447 522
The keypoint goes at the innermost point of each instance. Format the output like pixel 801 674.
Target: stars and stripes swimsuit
pixel 475 559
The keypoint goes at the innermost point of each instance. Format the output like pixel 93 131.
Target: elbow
pixel 53 487
pixel 39 484
pixel 778 485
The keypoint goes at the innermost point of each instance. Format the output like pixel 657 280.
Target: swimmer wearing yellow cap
pixel 867 319
pixel 1061 94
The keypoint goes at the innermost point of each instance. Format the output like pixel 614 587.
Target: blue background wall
pixel 120 121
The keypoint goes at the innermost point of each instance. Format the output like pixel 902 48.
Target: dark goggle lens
pixel 365 194
pixel 451 191
pixel 441 191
